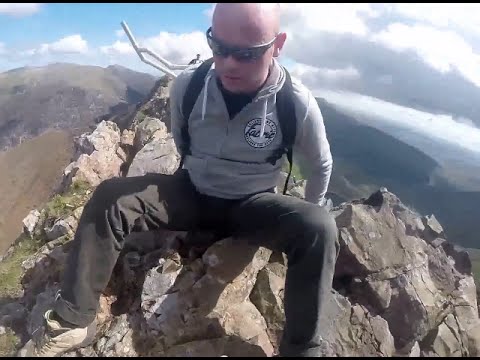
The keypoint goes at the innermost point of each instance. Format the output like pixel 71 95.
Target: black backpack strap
pixel 288 124
pixel 190 96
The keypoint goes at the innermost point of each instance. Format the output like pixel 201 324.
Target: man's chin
pixel 231 84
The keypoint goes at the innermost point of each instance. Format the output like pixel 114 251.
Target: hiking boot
pixel 57 339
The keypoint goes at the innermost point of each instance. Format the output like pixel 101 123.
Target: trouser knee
pixel 316 231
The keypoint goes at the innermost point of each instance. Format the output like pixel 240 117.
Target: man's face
pixel 245 69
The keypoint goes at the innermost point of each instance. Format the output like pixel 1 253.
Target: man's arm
pixel 313 144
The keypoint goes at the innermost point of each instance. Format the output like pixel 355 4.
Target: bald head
pixel 244 26
pixel 258 22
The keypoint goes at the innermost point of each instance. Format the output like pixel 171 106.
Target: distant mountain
pixel 64 96
pixel 41 110
pixel 366 159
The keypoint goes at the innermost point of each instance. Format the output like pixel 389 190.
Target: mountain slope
pixel 41 109
pixel 29 175
pixel 64 96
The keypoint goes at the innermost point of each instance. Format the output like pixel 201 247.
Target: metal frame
pixel 167 66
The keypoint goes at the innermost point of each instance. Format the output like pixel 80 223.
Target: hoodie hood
pixel 272 85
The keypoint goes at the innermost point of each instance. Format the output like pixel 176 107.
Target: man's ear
pixel 279 42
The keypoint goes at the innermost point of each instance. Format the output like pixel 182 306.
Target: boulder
pixel 30 222
pixel 98 156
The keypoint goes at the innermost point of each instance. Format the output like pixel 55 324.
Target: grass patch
pixel 139 117
pixel 8 343
pixel 295 170
pixel 62 205
pixel 11 268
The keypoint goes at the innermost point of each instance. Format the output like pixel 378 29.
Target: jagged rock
pixel 444 341
pixel 351 330
pixel 409 283
pixel 158 104
pixel 11 314
pixel 97 156
pixel 159 156
pixel 77 213
pixel 30 222
pixel 102 139
pixel 473 336
pixel 298 191
pixel 148 130
pixel 267 296
pixel 62 227
pixel 216 304
pixel 93 168
pixel 415 351
pixel 433 229
pixel 127 137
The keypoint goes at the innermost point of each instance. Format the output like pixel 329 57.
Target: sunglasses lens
pixel 244 55
pixel 241 55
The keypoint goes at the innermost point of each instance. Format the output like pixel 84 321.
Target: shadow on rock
pixel 183 300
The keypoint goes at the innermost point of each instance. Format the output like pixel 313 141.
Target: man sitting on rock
pixel 225 184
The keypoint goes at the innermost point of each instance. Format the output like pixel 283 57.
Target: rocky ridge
pixel 400 288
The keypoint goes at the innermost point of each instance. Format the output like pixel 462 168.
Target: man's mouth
pixel 231 77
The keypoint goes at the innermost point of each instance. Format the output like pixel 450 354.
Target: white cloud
pixel 118 48
pixel 119 33
pixel 463 16
pixel 305 72
pixel 394 118
pixel 19 10
pixel 340 18
pixel 178 48
pixel 431 45
pixel 3 49
pixel 73 44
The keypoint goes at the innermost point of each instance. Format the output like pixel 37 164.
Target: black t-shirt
pixel 235 102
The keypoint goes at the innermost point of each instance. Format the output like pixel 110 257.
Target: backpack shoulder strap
pixel 194 87
pixel 190 96
pixel 288 122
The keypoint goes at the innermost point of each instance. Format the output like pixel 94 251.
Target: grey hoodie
pixel 228 157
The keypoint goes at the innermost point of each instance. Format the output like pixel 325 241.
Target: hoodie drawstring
pixel 205 94
pixel 264 119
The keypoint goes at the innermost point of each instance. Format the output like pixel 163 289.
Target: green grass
pixel 8 344
pixel 11 268
pixel 62 205
pixel 296 169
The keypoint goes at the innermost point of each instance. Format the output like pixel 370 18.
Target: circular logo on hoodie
pixel 252 133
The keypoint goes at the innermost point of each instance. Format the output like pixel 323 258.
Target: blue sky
pixel 26 29
pixel 98 22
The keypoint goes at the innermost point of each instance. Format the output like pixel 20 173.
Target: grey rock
pixel 30 222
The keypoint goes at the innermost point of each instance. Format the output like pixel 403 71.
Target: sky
pixel 421 56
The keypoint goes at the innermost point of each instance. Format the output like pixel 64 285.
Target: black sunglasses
pixel 240 54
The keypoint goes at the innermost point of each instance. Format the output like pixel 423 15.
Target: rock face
pixel 400 289
pixel 99 156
